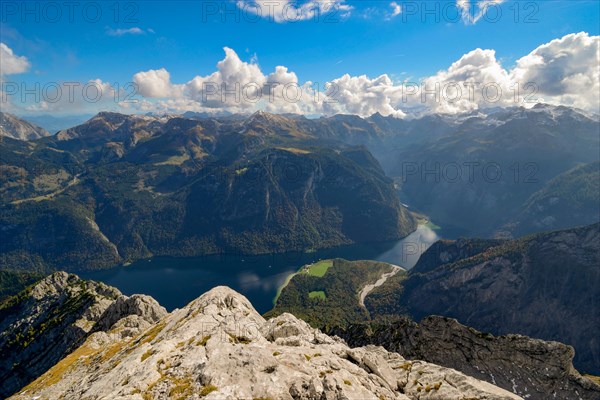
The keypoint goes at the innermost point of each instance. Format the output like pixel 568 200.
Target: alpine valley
pixel 504 306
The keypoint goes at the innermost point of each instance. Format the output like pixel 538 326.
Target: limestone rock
pixel 219 347
pixel 42 325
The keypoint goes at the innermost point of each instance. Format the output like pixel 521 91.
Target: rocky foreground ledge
pixel 219 347
pixel 52 318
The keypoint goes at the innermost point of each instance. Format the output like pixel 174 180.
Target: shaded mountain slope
pixel 531 368
pixel 544 285
pixel 570 199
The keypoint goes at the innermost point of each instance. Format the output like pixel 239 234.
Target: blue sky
pixel 183 38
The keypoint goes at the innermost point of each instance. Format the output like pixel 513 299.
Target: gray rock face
pixel 532 368
pixel 219 347
pixel 138 307
pixel 42 325
pixel 17 128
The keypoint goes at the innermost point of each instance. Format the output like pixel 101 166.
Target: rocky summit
pixel 219 347
pixel 50 319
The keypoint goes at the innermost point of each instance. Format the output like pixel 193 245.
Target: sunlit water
pixel 174 282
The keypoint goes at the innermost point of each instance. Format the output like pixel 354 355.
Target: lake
pixel 174 282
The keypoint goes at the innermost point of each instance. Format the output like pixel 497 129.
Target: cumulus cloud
pixel 238 85
pixel 563 71
pixel 362 96
pixel 10 63
pixel 130 31
pixel 476 80
pixel 295 10
pixel 156 84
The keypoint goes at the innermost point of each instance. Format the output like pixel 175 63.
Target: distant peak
pixel 261 114
pixel 222 297
pixel 110 114
pixel 266 117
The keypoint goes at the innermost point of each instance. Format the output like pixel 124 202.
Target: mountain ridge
pixel 116 179
pixel 18 128
pixel 531 368
pixel 219 346
pixel 50 319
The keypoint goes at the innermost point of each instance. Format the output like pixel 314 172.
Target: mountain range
pixel 306 183
pixel 119 188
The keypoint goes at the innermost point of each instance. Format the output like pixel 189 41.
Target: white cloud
pixel 241 80
pixel 130 31
pixel 10 63
pixel 566 70
pixel 362 96
pixel 295 10
pixel 156 84
pixel 480 78
pixel 238 85
pixel 473 12
pixel 563 71
pixel 396 9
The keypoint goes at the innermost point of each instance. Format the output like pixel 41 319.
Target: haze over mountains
pixel 55 123
pixel 135 186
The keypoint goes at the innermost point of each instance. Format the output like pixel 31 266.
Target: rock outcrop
pixel 219 347
pixel 46 322
pixel 532 368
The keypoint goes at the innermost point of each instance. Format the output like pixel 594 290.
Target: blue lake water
pixel 174 282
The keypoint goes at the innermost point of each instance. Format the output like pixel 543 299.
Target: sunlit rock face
pixel 219 347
